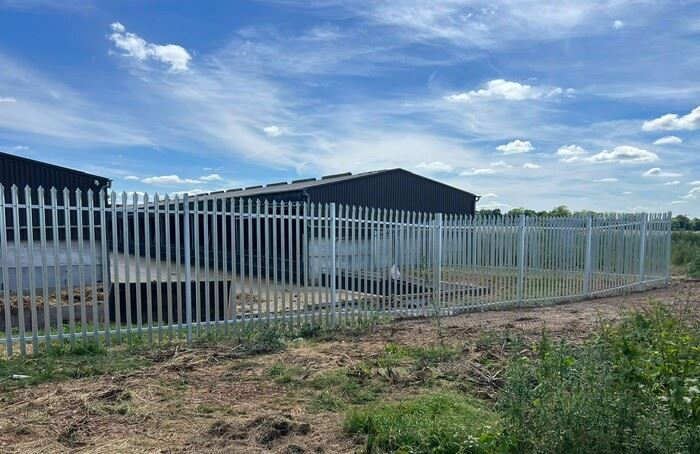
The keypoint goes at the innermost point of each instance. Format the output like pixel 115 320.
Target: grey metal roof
pixel 299 185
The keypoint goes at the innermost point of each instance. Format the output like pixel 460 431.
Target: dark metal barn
pixel 395 189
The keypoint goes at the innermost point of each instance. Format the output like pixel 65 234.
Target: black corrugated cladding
pixel 396 189
pixel 20 171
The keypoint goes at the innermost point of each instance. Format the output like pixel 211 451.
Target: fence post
pixel 438 262
pixel 521 259
pixel 669 233
pixel 188 271
pixel 334 297
pixel 642 249
pixel 5 273
pixel 588 258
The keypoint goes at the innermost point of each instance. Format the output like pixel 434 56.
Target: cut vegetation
pixel 609 375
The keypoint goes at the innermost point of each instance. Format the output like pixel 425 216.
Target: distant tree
pixel 560 211
pixel 681 222
pixel 495 212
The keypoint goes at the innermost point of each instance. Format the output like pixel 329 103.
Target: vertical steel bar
pixel 105 266
pixel 521 259
pixel 127 271
pixel 178 262
pixel 158 263
pixel 93 268
pixel 69 265
pixel 4 252
pixel 29 210
pixel 44 268
pixel 188 264
pixel 115 264
pixel 168 266
pixel 332 239
pixel 56 260
pixel 18 270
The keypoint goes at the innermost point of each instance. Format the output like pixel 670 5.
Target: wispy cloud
pixel 435 166
pixel 167 180
pixel 657 172
pixel 571 153
pixel 508 90
pixel 624 154
pixel 668 140
pixel 606 180
pixel 474 172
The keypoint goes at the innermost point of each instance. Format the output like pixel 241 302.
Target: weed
pixel 440 422
pixel 327 401
pixel 284 374
pixel 632 388
pixel 64 362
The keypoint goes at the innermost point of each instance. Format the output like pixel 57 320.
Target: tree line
pixel 679 222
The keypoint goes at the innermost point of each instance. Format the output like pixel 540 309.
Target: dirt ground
pixel 211 400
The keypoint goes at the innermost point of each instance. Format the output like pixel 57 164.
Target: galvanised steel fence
pixel 84 267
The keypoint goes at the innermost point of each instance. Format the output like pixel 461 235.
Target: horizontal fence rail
pixel 103 268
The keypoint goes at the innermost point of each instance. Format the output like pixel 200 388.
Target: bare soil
pixel 212 400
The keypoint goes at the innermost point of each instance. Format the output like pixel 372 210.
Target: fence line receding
pixel 95 267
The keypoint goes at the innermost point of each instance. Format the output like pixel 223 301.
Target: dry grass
pixel 213 399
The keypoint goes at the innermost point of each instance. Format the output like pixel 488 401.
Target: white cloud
pixel 138 48
pixel 435 166
pixel 489 195
pixel 5 99
pixel 131 177
pixel 169 180
pixel 627 193
pixel 212 177
pixel 624 154
pixel 657 172
pixel 692 194
pixel 273 131
pixel 471 172
pixel 695 183
pixel 672 122
pixel 570 153
pixel 530 165
pixel 606 180
pixel 672 183
pixel 515 147
pixel 668 140
pixel 676 202
pixel 500 164
pixel 618 24
pixel 508 90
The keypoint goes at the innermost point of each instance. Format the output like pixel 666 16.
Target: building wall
pixel 67 265
pixel 15 170
pixel 397 190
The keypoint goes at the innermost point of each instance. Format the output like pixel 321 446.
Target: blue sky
pixel 592 104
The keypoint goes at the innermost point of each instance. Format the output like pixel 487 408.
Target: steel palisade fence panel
pixel 114 267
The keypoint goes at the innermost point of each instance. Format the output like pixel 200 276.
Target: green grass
pixel 632 388
pixel 685 253
pixel 284 373
pixel 440 422
pixel 65 362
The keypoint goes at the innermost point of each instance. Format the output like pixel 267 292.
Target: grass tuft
pixel 441 422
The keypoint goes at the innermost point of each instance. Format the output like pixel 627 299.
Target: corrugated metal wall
pixel 22 172
pixel 397 190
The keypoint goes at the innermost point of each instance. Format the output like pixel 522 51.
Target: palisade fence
pixel 84 267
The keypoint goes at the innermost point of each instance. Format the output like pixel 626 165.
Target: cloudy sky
pixel 592 104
